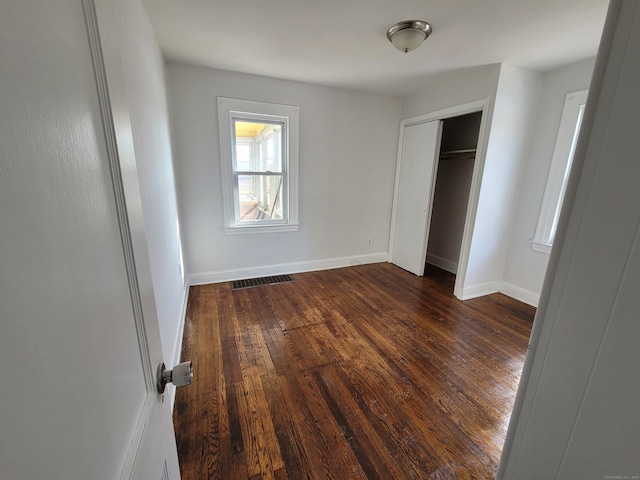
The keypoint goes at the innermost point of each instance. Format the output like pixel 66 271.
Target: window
pixel 559 171
pixel 259 157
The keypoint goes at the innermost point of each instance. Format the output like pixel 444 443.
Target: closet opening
pixel 438 177
pixel 456 160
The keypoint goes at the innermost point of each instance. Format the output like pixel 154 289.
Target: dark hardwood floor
pixel 365 372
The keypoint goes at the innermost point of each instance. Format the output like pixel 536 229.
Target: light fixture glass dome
pixel 408 35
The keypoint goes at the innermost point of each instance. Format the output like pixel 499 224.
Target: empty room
pixel 312 240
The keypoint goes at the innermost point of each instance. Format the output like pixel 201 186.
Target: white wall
pixel 525 269
pixel 144 77
pixel 577 410
pixel 464 86
pixel 513 113
pixel 513 95
pixel 348 146
pixel 449 211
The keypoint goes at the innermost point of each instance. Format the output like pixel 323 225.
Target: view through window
pixel 258 170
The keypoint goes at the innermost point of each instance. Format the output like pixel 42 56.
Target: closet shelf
pixel 469 154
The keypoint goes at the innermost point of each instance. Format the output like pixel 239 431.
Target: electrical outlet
pixel 369 241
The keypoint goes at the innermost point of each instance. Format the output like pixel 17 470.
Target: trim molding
pixel 514 291
pixel 541 247
pixel 448 265
pixel 499 286
pixel 473 291
pixel 527 296
pixel 218 276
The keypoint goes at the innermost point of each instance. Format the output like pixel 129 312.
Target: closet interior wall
pixel 455 169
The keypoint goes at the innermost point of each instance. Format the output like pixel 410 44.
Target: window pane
pixel 260 197
pixel 267 138
pixel 243 156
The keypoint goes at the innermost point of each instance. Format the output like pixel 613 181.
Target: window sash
pixel 264 200
pixel 279 140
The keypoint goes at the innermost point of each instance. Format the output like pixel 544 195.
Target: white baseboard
pixel 519 293
pixel 283 268
pixel 509 289
pixel 443 263
pixel 480 290
pixel 170 392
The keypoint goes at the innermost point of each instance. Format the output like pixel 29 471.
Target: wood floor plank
pixel 366 372
pixel 368 447
pixel 257 458
pixel 446 391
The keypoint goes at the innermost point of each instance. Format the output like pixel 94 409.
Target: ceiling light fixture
pixel 409 34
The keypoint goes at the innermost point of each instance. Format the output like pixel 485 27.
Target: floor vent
pixel 255 282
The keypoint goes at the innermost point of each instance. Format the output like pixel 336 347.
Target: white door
pixel 415 184
pixel 79 341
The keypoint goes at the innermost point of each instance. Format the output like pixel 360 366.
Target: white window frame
pixel 230 109
pixel 559 171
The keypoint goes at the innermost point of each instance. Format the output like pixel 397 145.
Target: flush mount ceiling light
pixel 409 34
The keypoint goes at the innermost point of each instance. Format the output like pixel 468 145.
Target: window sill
pixel 244 229
pixel 541 247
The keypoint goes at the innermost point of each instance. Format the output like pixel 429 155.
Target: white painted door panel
pixel 414 195
pixel 78 344
pixel 152 451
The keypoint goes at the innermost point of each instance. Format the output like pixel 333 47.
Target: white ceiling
pixel 343 44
